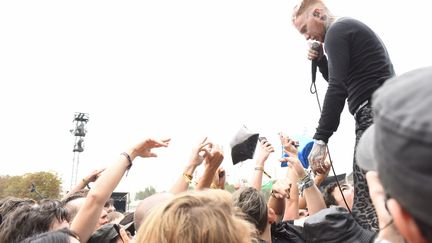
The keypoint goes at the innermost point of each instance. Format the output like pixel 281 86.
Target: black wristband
pixel 129 160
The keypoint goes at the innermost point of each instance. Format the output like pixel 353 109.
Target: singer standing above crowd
pixel 355 64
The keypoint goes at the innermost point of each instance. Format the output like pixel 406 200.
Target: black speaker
pixel 120 201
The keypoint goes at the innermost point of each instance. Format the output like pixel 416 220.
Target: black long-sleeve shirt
pixel 358 63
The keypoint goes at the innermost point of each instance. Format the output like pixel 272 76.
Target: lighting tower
pixel 80 120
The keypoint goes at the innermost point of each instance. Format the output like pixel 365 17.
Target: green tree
pixel 3 181
pixel 146 193
pixel 14 187
pixel 46 185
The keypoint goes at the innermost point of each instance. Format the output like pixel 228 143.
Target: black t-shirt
pixel 357 64
pixel 286 232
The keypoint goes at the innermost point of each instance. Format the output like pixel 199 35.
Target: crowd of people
pixel 388 201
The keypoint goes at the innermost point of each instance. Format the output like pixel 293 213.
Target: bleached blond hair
pixel 197 217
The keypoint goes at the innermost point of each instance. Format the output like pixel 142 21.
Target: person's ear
pixel 404 222
pixel 317 13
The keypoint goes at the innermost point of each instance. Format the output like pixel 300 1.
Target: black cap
pixel 107 232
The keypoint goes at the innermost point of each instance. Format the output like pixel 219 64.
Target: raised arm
pixel 265 150
pixel 85 221
pixel 197 157
pixel 318 179
pixel 290 147
pixel 92 177
pixel 314 199
pixel 280 192
pixel 292 202
pixel 213 160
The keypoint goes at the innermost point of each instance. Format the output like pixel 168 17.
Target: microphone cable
pixel 314 90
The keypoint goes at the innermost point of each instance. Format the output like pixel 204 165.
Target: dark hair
pixel 253 205
pixel 109 203
pixel 51 209
pixel 30 220
pixel 328 194
pixel 58 236
pixel 10 204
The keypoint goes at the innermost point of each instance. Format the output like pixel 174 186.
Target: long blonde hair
pixel 197 217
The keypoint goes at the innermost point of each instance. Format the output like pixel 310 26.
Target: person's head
pixel 74 205
pixel 10 204
pixel 398 146
pixel 53 211
pixel 103 218
pixel 333 196
pixel 109 206
pixel 197 216
pixel 74 201
pixel 115 217
pixel 59 236
pixel 253 204
pixel 146 205
pixel 29 220
pixel 311 18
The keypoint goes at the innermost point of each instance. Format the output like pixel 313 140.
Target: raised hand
pixel 281 189
pixel 144 149
pixel 199 153
pixel 314 54
pixel 319 178
pixel 94 175
pixel 264 152
pixel 295 164
pixel 317 157
pixel 213 159
pixel 214 156
pixel 289 145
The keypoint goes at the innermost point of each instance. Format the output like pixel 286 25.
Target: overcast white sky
pixel 179 69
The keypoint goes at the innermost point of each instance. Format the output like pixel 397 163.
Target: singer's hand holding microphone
pixel 315 51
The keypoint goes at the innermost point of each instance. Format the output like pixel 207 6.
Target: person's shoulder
pixel 343 28
pixel 346 23
pixel 286 230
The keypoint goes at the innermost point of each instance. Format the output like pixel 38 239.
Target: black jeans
pixel 363 209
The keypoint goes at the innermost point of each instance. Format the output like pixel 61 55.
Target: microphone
pixel 316 47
